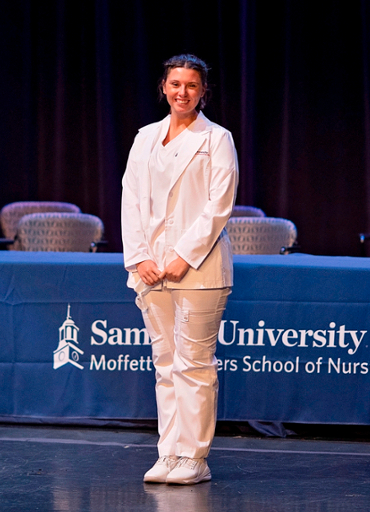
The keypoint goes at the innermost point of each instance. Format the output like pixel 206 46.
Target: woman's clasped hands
pixel 151 275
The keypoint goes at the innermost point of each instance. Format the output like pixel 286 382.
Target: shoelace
pixel 187 461
pixel 165 460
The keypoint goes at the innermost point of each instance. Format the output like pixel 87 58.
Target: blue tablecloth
pixel 293 345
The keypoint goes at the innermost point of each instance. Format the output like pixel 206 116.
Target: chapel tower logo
pixel 67 351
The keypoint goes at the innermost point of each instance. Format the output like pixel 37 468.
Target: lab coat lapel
pixel 151 139
pixel 145 181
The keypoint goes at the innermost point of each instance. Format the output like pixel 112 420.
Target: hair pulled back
pixel 189 61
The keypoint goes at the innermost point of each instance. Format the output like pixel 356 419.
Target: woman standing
pixel 178 193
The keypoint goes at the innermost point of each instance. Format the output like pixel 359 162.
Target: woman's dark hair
pixel 188 61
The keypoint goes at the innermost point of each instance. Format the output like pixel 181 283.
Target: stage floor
pixel 69 469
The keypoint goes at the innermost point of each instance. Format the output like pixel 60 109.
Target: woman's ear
pixel 163 85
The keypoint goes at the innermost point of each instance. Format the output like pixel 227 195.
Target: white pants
pixel 183 326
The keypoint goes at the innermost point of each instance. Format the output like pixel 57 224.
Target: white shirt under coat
pixel 161 166
pixel 195 207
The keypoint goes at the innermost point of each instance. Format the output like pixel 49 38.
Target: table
pixel 293 344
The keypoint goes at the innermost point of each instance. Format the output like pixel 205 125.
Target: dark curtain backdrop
pixel 290 80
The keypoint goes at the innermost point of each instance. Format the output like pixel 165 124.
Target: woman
pixel 178 193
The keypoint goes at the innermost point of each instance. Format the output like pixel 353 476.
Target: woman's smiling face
pixel 183 89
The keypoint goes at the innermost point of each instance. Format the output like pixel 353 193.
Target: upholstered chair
pixel 260 235
pixel 247 211
pixel 58 231
pixel 11 214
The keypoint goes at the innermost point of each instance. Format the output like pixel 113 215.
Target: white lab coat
pixel 200 201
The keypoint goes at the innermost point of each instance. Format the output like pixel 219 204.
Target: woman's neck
pixel 178 125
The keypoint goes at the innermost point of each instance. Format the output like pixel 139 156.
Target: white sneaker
pixel 189 471
pixel 158 473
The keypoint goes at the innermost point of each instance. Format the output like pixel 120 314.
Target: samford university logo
pixel 67 351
